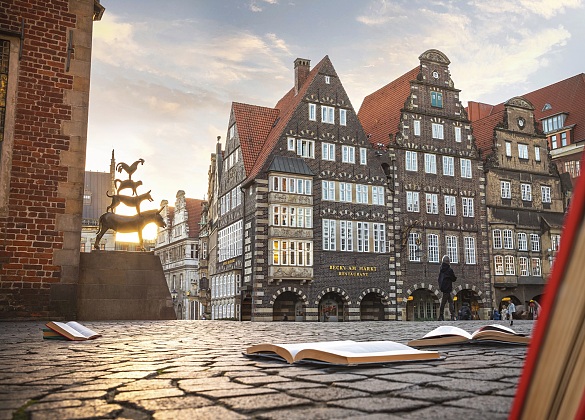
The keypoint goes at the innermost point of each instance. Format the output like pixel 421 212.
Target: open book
pixel 446 334
pixel 344 352
pixel 72 330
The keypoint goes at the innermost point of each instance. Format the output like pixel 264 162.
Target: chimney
pixel 302 69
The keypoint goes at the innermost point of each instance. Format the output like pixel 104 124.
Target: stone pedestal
pixel 120 285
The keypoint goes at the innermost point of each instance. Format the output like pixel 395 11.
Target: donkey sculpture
pixel 128 224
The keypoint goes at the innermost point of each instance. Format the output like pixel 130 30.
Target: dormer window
pixel 546 107
pixel 554 123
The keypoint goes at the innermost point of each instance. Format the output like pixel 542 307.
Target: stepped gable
pixel 380 111
pixel 253 124
pixel 194 208
pixel 286 107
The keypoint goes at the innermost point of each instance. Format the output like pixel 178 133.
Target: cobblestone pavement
pixel 196 369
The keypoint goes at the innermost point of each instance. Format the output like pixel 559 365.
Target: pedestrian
pixel 496 315
pixel 446 279
pixel 511 311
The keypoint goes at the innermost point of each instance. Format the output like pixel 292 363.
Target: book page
pixel 81 329
pixel 73 332
pixel 495 327
pixel 293 349
pixel 444 330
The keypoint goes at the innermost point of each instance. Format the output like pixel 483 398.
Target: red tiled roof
pixel 253 124
pixel 566 96
pixel 483 132
pixel 380 111
pixel 286 107
pixel 194 208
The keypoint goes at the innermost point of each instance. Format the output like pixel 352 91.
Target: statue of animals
pixel 129 169
pixel 127 183
pixel 128 224
pixel 128 200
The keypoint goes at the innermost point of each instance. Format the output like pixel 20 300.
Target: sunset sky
pixel 164 73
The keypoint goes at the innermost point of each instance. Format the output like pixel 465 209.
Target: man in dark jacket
pixel 446 279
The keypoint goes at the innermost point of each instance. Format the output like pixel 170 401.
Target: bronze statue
pixel 127 183
pixel 128 224
pixel 129 169
pixel 128 200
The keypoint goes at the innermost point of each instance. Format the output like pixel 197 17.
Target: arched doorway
pixel 470 298
pixel 285 307
pixel 422 305
pixel 534 307
pixel 372 307
pixel 506 301
pixel 247 307
pixel 331 308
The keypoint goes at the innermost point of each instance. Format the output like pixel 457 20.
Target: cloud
pixel 381 12
pixel 543 8
pixel 255 7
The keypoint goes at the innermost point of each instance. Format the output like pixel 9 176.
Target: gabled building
pixel 438 188
pixel 525 201
pixel 177 246
pixel 559 112
pixel 303 210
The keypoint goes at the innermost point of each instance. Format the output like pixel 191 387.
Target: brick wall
pixel 40 227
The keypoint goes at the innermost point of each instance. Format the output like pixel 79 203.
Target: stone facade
pixel 438 190
pixel 46 54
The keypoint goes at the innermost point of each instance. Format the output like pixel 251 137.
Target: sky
pixel 164 73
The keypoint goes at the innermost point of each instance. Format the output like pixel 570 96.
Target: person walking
pixel 446 279
pixel 511 310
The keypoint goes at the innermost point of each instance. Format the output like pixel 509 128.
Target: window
pixel 363 237
pixel 497 238
pixel 378 195
pixel 430 163
pixel 296 253
pixel 379 237
pixel 348 154
pixel 328 151
pixel 450 208
pixel 526 191
pixel 564 139
pixel 411 161
pixel 458 134
pixel 230 241
pixel 232 132
pixel 328 235
pixel 509 265
pixel 437 99
pixel 451 242
pixel 432 203
pixel 346 233
pixel 545 191
pixel 328 190
pixel 361 194
pixel 523 263
pixel 469 243
pixel 468 210
pixel 553 123
pixel 345 192
pixel 306 148
pixel 291 144
pixel 537 153
pixel 291 185
pixel 505 189
pixel 534 242
pixel 437 131
pixel 522 242
pixel 465 168
pixel 413 246
pixel 499 265
pixel 433 247
pixel 313 112
pixel 412 201
pixel 508 239
pixel 555 241
pixel 536 267
pixel 448 166
pixel 523 151
pixel 508 148
pixel 363 156
pixel 416 125
pixel 327 114
pixel 553 141
pixel 327 79
pixel 343 117
pixel 291 216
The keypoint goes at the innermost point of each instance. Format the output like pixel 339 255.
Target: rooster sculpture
pixel 129 169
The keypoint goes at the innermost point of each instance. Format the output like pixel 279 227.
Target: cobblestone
pixel 196 370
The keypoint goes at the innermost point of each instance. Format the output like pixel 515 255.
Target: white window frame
pixel 505 189
pixel 327 114
pixel 346 235
pixel 534 242
pixel 430 163
pixel 416 127
pixel 413 247
pixel 458 134
pixel 497 239
pixel 465 165
pixel 291 142
pixel 526 192
pixel 306 148
pixel 499 265
pixel 524 267
pixel 452 251
pixel 379 237
pixel 361 194
pixel 328 190
pixel 522 241
pixel 312 112
pixel 412 201
pixel 343 117
pixel 327 80
pixel 469 246
pixel 448 166
pixel 328 151
pixel 467 204
pixel 363 237
pixel 545 193
pixel 345 194
pixel 432 203
pixel 537 153
pixel 411 161
pixel 378 195
pixel 450 205
pixel 536 267
pixel 433 247
pixel 348 154
pixel 363 156
pixel 329 235
pixel 508 149
pixel 522 151
pixel 509 265
pixel 508 239
pixel 437 130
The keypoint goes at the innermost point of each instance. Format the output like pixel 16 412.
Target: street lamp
pixel 174 295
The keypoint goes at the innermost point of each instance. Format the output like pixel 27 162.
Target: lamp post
pixel 174 295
